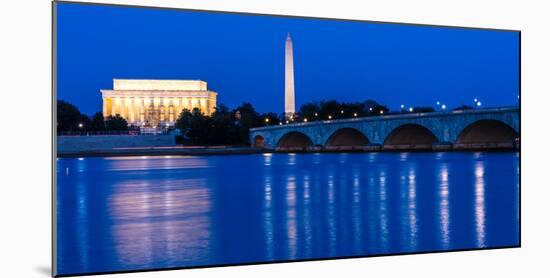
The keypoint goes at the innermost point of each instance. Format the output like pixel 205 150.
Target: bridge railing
pixel 393 116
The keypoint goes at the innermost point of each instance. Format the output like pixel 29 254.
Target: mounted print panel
pixel 190 138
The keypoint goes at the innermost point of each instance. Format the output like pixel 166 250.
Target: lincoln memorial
pixel 155 103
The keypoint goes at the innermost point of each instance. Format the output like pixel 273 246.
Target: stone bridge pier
pixel 494 128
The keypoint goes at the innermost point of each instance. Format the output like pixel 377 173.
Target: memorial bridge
pixel 492 128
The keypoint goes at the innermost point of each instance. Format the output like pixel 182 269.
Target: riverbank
pixel 227 150
pixel 168 150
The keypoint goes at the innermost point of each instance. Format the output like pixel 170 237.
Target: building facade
pixel 156 103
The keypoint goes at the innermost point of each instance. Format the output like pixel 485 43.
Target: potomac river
pixel 132 213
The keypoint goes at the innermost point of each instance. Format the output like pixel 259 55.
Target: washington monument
pixel 289 78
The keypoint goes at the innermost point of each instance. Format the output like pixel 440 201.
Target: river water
pixel 132 213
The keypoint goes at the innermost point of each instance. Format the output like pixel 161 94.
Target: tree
pixel 270 119
pixel 332 109
pixel 249 119
pixel 116 123
pixel 423 109
pixel 183 122
pixel 310 110
pixel 68 116
pixel 98 122
pixel 85 123
pixel 463 107
pixel 199 128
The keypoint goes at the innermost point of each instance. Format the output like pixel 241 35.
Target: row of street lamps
pixel 442 106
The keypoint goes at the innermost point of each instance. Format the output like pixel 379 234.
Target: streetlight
pixel 355 115
pixel 443 106
pixel 305 120
pixel 80 125
pixel 267 120
pixel 438 103
pixel 402 106
pixel 410 109
pixel 316 114
pixel 381 112
pixel 478 103
pixel 329 117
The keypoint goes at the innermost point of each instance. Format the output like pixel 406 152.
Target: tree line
pixel 70 119
pixel 229 126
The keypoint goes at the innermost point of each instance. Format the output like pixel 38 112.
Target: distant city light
pixel 370 109
pixel 402 106
pixel 329 117
pixel 316 114
pixel 341 111
pixel 478 103
pixel 438 103
pixel 80 125
pixel 475 99
pixel 410 109
pixel 267 120
pixel 280 123
pixel 355 114
pixel 287 121
pixel 305 120
pixel 443 106
pixel 167 124
pixel 381 112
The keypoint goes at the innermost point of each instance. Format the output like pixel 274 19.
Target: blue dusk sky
pixel 242 58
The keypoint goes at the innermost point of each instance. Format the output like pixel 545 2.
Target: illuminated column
pixel 193 103
pixel 114 104
pixel 123 108
pixel 142 110
pixel 162 109
pixel 131 115
pixel 177 107
pixel 137 107
pixel 104 107
pixel 212 104
pixel 203 106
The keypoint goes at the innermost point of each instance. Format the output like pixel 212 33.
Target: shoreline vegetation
pixel 226 131
pixel 227 126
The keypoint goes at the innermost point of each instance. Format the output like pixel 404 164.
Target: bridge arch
pixel 294 140
pixel 487 133
pixel 410 136
pixel 347 137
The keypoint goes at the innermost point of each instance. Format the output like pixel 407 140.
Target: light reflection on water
pixel 480 203
pixel 151 212
pixel 444 214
